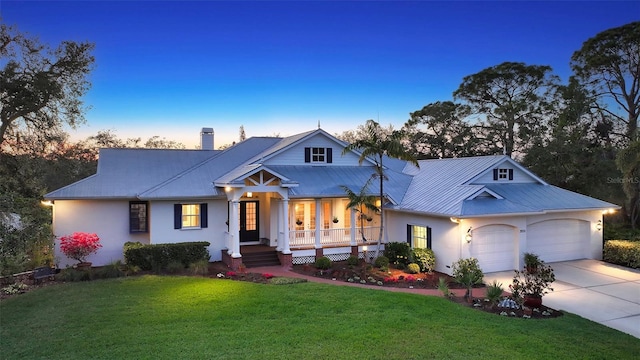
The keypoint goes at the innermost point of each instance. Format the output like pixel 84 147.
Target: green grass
pixel 163 317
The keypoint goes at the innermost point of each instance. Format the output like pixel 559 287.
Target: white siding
pixel 162 231
pixel 295 154
pixel 108 219
pixel 445 239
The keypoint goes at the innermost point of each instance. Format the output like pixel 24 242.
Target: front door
pixel 249 221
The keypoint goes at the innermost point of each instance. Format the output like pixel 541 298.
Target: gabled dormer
pixel 505 171
pixel 315 148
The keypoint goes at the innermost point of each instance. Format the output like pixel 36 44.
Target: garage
pixel 559 240
pixel 495 247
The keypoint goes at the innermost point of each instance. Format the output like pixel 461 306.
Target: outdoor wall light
pixel 249 194
pixel 46 203
pixel 454 220
pixel 599 225
pixel 468 237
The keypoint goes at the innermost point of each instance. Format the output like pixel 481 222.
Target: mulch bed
pixel 341 271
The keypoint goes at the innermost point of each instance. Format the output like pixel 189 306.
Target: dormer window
pixel 318 155
pixel 502 174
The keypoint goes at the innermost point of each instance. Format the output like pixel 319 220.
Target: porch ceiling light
pixel 469 236
pixel 46 203
pixel 454 220
pixel 599 225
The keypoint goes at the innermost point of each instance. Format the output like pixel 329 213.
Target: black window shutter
pixel 495 174
pixel 177 216
pixel 409 234
pixel 510 174
pixel 428 238
pixel 204 218
pixel 329 155
pixel 307 154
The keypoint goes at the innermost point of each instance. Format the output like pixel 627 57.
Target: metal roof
pixel 445 187
pixel 326 181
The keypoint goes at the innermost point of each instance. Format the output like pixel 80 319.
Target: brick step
pixel 258 259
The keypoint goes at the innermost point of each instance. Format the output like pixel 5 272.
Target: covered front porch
pixel 261 211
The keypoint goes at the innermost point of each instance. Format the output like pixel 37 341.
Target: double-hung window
pixel 138 217
pixel 419 237
pixel 190 216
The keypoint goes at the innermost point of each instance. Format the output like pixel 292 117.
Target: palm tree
pixel 375 145
pixel 360 202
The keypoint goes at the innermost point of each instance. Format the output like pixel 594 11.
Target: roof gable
pixel 464 187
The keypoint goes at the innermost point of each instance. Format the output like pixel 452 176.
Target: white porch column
pixel 352 214
pixel 318 223
pixel 234 229
pixel 285 225
pixel 229 231
pixel 280 226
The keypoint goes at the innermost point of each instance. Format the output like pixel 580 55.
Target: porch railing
pixel 332 237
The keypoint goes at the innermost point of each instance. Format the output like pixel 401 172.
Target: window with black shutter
pixel 138 217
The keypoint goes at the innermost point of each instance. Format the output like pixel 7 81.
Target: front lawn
pixel 165 317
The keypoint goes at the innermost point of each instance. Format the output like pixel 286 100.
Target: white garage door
pixel 494 247
pixel 559 240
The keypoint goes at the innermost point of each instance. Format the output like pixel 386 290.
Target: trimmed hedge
pixel 159 256
pixel 622 252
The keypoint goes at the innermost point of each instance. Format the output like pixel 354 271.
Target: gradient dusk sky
pixel 169 68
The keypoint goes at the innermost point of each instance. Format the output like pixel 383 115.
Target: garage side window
pixel 190 216
pixel 138 217
pixel 419 236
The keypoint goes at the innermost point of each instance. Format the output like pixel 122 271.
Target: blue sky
pixel 169 68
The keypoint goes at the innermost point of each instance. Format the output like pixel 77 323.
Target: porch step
pixel 263 258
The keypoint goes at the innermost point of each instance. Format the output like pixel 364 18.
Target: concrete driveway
pixel 598 291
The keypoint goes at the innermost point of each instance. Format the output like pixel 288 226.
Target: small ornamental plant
pixel 79 245
pixel 267 275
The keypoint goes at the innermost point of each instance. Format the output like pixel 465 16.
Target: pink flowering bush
pixel 390 279
pixel 410 278
pixel 230 273
pixel 79 245
pixel 267 275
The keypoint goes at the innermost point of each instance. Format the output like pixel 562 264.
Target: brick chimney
pixel 206 139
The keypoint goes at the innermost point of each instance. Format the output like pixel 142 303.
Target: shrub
pixel 494 292
pixel 73 275
pixel 323 263
pixel 112 270
pixel 397 253
pixel 353 261
pixel 467 272
pixel 15 288
pixel 532 284
pixel 413 268
pixel 426 258
pixel 158 256
pixel 200 267
pixel 382 262
pixel 443 286
pixel 79 245
pixel 622 252
pixel 174 267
